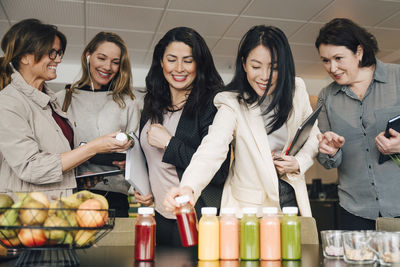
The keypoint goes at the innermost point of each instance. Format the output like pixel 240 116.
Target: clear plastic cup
pixel 388 247
pixel 357 247
pixel 332 244
pixel 334 263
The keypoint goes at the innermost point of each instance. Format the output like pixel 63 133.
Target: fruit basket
pixel 49 236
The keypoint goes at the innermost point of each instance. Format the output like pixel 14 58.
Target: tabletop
pixel 115 256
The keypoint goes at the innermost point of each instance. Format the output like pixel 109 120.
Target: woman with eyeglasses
pixel 106 83
pixel 36 139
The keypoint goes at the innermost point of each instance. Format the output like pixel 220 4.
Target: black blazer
pixel 188 136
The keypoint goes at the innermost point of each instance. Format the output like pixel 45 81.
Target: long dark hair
pixel 344 32
pixel 281 55
pixel 204 87
pixel 29 36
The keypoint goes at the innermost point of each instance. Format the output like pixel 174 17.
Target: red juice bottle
pixel 187 221
pixel 145 235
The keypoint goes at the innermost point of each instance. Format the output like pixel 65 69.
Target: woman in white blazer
pixel 258 114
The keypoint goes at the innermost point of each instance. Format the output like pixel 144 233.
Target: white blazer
pixel 252 179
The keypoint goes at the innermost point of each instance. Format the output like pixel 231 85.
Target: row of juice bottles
pixel 227 238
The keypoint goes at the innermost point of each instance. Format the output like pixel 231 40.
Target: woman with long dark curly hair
pixel 178 110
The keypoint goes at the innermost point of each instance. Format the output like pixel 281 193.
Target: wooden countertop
pixel 116 256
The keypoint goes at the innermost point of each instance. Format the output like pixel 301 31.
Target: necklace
pixel 174 110
pixel 179 105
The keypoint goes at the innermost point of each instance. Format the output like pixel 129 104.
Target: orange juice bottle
pixel 207 264
pixel 270 264
pixel 209 234
pixel 228 235
pixel 229 263
pixel 270 235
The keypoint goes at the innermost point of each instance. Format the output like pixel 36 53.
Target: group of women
pixel 221 145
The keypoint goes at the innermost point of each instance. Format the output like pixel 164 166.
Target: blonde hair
pixel 122 82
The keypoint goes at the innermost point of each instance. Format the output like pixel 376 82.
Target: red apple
pixel 89 214
pixel 32 237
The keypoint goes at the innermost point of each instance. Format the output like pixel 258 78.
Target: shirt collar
pixel 38 97
pixel 380 75
pixel 381 72
pixel 103 88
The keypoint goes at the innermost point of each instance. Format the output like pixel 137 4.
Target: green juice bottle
pixel 249 235
pixel 290 234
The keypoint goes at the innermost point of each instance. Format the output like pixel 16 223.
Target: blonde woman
pixel 102 101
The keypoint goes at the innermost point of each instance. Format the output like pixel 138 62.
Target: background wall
pixel 222 23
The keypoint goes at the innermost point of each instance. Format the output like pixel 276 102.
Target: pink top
pixel 162 175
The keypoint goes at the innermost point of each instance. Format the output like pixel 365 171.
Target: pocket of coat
pixel 248 195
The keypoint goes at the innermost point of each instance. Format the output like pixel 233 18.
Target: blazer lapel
pixel 256 125
pixel 291 128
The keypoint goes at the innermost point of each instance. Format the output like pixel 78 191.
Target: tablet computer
pixel 88 179
pixel 303 132
pixel 136 172
pixel 107 158
pixel 393 123
pixel 79 175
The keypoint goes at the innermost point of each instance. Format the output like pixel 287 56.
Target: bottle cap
pixel 290 210
pixel 270 210
pixel 249 210
pixel 121 137
pixel 182 199
pixel 209 211
pixel 228 211
pixel 145 210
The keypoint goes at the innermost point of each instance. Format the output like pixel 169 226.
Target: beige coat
pixel 31 142
pixel 252 179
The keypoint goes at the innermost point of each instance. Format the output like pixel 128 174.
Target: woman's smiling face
pixel 178 66
pixel 258 68
pixel 104 63
pixel 341 63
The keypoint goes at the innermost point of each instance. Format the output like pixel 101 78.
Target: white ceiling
pixel 141 23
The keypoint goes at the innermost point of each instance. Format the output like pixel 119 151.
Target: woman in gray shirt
pixel 365 93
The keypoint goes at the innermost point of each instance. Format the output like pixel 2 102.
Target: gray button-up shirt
pixel 366 188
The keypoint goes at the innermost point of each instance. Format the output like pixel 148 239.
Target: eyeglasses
pixel 53 53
